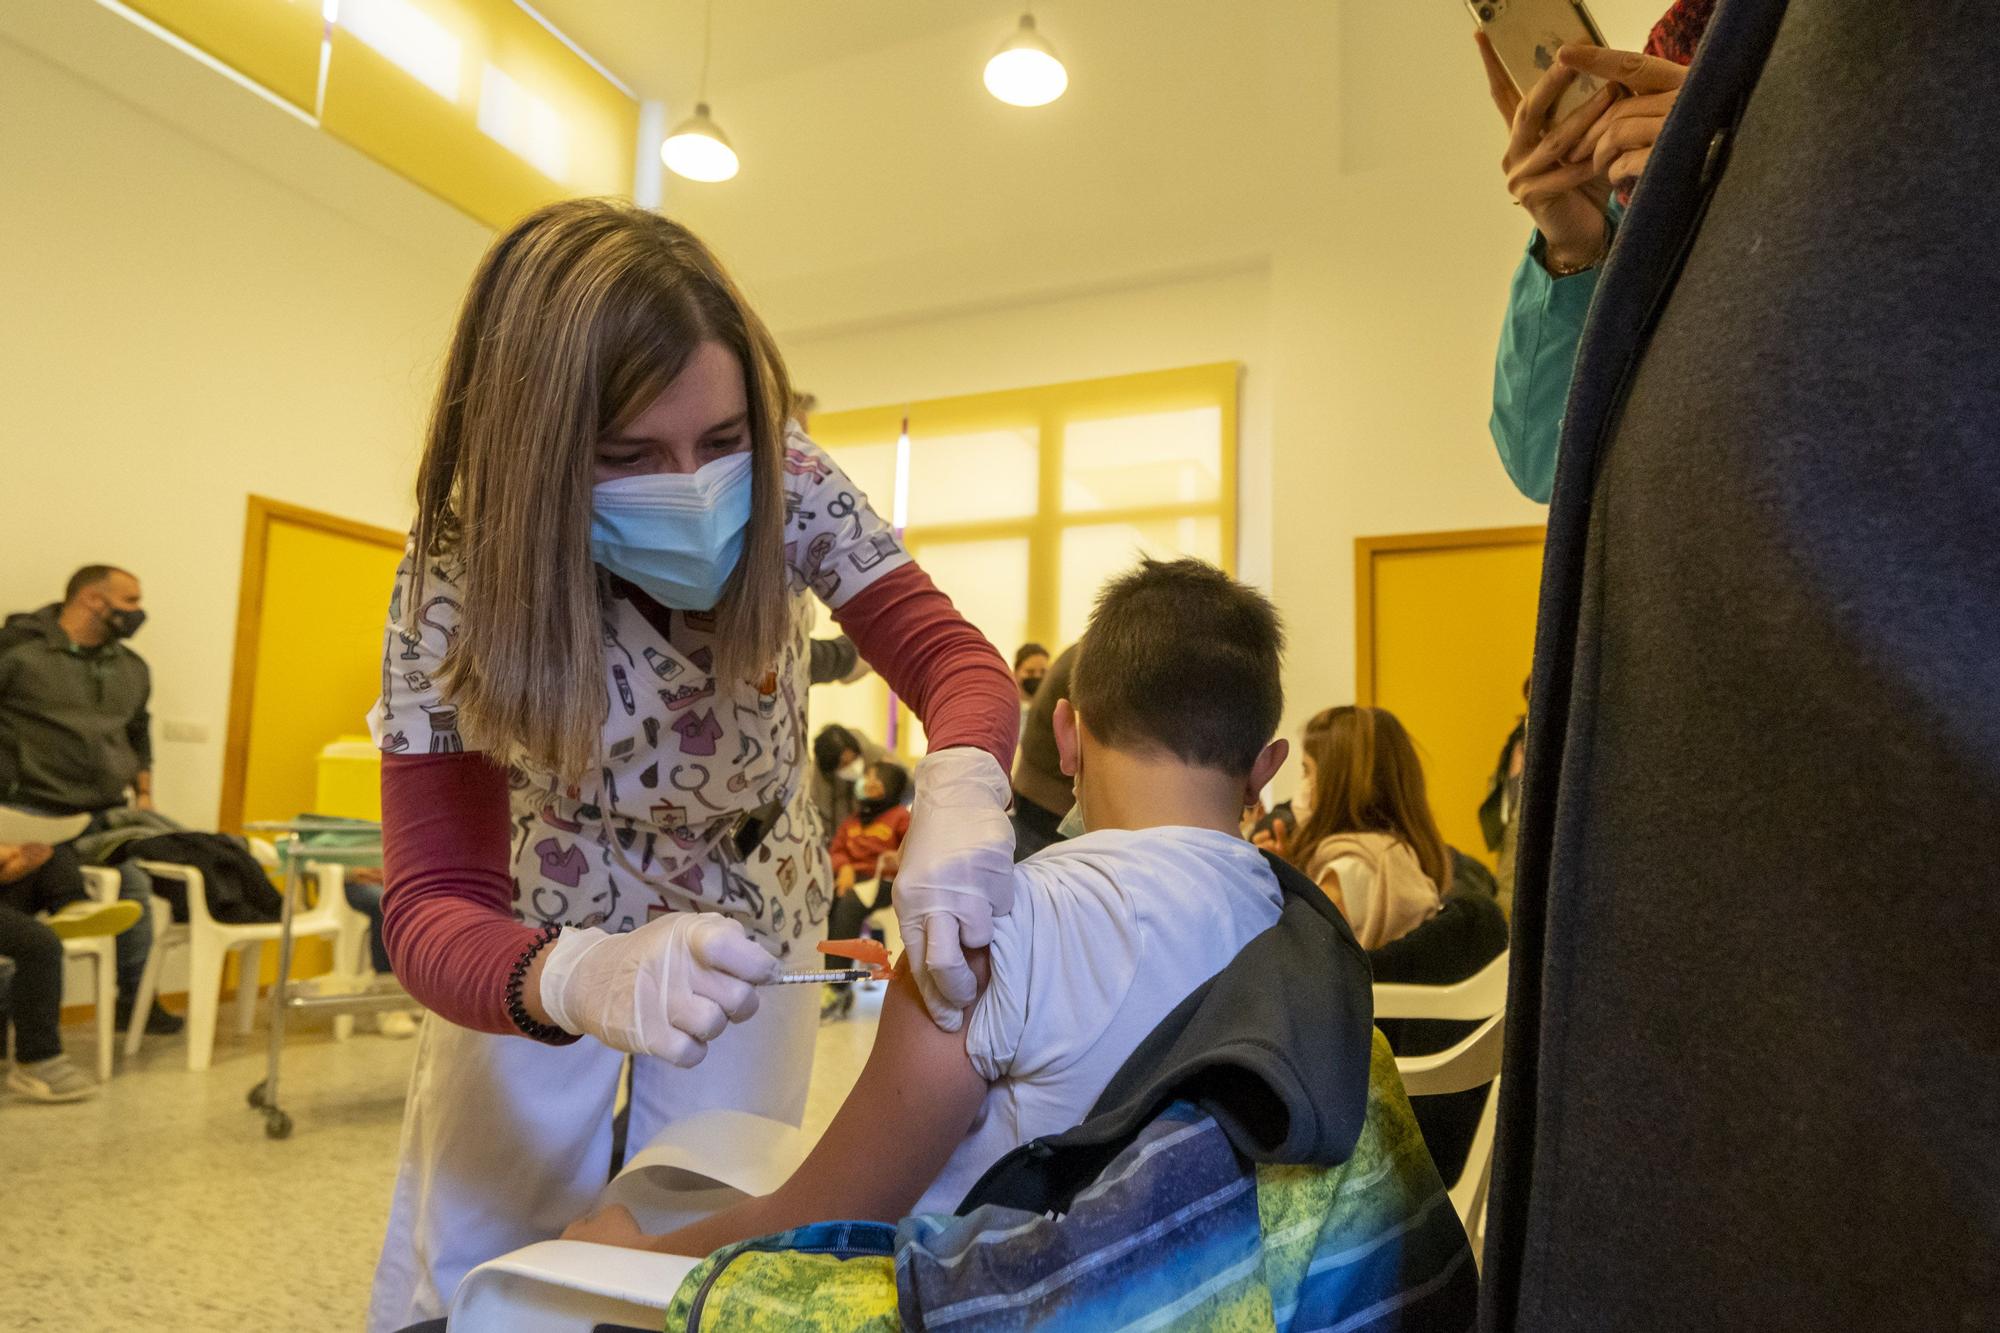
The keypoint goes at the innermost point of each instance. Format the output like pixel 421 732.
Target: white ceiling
pixel 880 181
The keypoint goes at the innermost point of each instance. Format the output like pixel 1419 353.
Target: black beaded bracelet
pixel 517 1012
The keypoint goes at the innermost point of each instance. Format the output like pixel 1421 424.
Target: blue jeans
pixel 135 944
pixel 367 900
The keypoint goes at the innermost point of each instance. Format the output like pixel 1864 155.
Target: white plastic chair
pixel 696 1166
pixel 101 951
pixel 209 942
pixel 1470 1063
pixel 168 934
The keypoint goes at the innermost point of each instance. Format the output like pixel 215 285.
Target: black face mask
pixel 123 623
pixel 1030 685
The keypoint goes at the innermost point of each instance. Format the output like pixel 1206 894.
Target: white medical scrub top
pixel 685 754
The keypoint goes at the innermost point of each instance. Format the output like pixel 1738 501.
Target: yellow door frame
pixel 1366 549
pixel 261 513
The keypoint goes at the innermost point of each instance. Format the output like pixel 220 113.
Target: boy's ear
pixel 1267 766
pixel 1066 742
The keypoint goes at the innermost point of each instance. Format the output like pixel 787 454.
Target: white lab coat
pixel 506 1140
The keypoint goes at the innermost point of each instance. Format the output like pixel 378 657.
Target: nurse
pixel 593 724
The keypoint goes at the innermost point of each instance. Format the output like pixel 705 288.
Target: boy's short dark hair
pixel 1181 657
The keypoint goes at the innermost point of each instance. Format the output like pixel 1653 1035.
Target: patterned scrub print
pixel 685 755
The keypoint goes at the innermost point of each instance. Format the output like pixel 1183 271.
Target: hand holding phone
pixel 1526 35
pixel 1564 196
pixel 1620 143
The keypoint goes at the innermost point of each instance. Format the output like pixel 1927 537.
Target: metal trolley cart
pixel 316 840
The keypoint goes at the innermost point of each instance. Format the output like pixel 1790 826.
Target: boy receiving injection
pixel 1168 733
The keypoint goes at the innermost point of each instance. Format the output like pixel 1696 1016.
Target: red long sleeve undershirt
pixel 447 909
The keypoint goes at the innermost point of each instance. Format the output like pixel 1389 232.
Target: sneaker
pixel 87 917
pixel 331 984
pixel 159 1022
pixel 52 1080
pixel 836 1003
pixel 396 1024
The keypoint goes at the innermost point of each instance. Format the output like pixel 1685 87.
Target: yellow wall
pixel 1452 632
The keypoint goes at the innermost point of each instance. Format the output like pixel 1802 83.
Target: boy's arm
pixel 917 1097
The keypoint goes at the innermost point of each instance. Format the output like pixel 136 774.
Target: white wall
pixel 204 298
pixel 1379 244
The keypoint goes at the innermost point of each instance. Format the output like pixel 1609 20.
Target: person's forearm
pixel 447 910
pixel 752 1218
pixel 952 678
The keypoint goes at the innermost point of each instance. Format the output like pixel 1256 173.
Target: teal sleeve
pixel 1531 374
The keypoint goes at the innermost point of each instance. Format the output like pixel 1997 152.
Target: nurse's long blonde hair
pixel 576 321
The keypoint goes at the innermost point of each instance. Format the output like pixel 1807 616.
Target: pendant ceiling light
pixel 1025 71
pixel 697 147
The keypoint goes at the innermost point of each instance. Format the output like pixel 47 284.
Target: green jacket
pixel 74 730
pixel 1532 371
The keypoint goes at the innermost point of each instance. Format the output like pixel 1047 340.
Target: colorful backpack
pixel 1180 1231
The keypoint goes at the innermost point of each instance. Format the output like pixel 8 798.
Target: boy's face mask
pixel 1072 823
pixel 677 536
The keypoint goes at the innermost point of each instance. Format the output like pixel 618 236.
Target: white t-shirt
pixel 1109 932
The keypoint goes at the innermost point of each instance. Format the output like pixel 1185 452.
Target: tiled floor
pixel 161 1205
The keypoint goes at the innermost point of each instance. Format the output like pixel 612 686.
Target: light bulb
pixel 698 150
pixel 1025 71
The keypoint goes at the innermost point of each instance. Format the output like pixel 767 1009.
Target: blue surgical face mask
pixel 678 536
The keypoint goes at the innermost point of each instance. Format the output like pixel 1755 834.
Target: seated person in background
pixel 36 878
pixel 1031 664
pixel 1366 835
pixel 835 661
pixel 363 886
pixel 865 847
pixel 1043 793
pixel 1500 812
pixel 1168 733
pixel 76 732
pixel 839 757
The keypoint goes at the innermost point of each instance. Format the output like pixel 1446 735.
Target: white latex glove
pixel 668 988
pixel 957 875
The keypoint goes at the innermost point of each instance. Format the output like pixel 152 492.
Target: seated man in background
pixel 1174 699
pixel 38 879
pixel 75 733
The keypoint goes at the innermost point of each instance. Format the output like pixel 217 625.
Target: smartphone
pixel 1526 34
